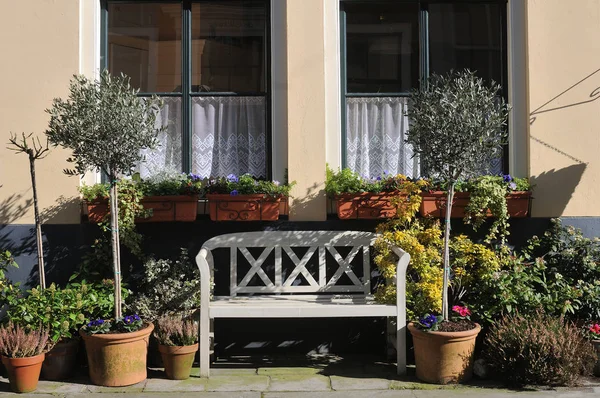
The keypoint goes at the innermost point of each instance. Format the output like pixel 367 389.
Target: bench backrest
pixel 319 243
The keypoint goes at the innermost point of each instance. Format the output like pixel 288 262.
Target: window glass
pixel 228 46
pixel 144 42
pixel 382 47
pixel 466 36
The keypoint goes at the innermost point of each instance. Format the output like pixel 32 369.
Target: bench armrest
pixel 205 276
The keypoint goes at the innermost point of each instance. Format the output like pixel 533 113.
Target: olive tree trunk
pixel 116 255
pixel 38 224
pixel 446 280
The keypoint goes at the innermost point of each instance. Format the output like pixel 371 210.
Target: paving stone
pixel 342 394
pixel 237 383
pixel 300 383
pixel 230 371
pixel 340 383
pixel 240 394
pixel 289 371
pixel 139 387
pixel 165 385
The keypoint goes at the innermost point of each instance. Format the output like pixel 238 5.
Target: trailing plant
pixel 16 342
pixel 456 128
pixel 34 151
pixel 176 331
pixel 247 185
pixel 167 287
pixel 106 126
pixel 538 349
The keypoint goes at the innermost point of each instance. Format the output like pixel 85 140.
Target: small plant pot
pixel 518 203
pixel 444 357
pixel 433 204
pixel 117 359
pixel 596 344
pixel 178 360
pixel 243 207
pixel 60 360
pixel 366 205
pixel 23 373
pixel 165 208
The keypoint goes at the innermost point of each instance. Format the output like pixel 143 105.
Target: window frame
pixel 186 93
pixel 424 72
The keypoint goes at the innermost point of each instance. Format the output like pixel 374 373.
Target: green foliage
pixel 176 331
pixel 165 183
pixel 167 287
pixel 247 185
pixel 6 287
pixel 538 349
pixel 346 181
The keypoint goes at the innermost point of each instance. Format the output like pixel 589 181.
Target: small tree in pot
pixel 456 128
pixel 106 126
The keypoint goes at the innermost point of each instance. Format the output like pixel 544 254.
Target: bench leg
pixel 204 340
pixel 401 342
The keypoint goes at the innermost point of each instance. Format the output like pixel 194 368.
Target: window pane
pixel 228 46
pixel 229 136
pixel 382 47
pixel 166 158
pixel 466 36
pixel 144 42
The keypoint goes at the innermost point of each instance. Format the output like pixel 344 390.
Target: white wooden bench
pixel 322 297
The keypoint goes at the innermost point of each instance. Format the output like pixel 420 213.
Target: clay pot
pixel 23 373
pixel 178 360
pixel 60 360
pixel 596 344
pixel 117 359
pixel 366 205
pixel 444 357
pixel 243 207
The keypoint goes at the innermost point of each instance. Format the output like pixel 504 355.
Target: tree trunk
pixel 446 282
pixel 114 225
pixel 38 224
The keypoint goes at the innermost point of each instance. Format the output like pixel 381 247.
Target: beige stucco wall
pixel 40 52
pixel 564 81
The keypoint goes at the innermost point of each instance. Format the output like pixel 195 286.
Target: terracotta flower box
pixel 434 204
pixel 366 205
pixel 258 207
pixel 164 208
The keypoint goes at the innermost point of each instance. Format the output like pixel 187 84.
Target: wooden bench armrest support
pixel 403 260
pixel 204 324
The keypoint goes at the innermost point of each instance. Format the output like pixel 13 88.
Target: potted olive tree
pixel 457 127
pixel 106 126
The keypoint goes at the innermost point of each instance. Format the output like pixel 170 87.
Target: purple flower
pixel 507 177
pixel 512 186
pixel 234 192
pixel 232 178
pixel 194 177
pixel 276 183
pixel 129 319
pixel 428 321
pixel 97 322
pixel 379 178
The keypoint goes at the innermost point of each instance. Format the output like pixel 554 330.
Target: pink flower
pixel 464 311
pixel 456 308
pixel 595 329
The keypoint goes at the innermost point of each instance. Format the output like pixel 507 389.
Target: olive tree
pixel 105 125
pixel 457 127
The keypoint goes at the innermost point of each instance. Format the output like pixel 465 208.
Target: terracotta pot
pixel 23 373
pixel 117 359
pixel 596 344
pixel 178 361
pixel 433 204
pixel 444 357
pixel 224 207
pixel 164 208
pixel 60 360
pixel 366 205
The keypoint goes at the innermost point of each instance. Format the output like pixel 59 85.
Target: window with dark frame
pixel 209 62
pixel 388 48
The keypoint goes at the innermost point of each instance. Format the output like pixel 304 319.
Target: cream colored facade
pixel 554 80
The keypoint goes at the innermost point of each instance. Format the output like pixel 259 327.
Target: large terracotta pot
pixel 444 357
pixel 23 373
pixel 259 207
pixel 596 344
pixel 117 359
pixel 164 208
pixel 178 361
pixel 366 205
pixel 433 204
pixel 60 360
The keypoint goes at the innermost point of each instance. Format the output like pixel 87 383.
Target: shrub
pixel 176 331
pixel 16 342
pixel 247 185
pixel 539 350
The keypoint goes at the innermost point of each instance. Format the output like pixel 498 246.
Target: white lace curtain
pixel 228 137
pixel 375 132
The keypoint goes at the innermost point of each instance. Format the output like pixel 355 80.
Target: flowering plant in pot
pixel 178 342
pixel 592 332
pixel 22 355
pixel 378 197
pixel 245 198
pixel 106 126
pixel 444 347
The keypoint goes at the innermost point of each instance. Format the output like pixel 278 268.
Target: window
pixel 209 62
pixel 389 47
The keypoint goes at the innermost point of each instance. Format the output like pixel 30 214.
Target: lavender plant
pixel 176 331
pixel 105 125
pixel 16 342
pixel 456 128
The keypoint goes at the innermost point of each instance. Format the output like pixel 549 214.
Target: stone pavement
pixel 327 379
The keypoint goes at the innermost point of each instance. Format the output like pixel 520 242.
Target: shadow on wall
pixel 553 190
pixel 313 193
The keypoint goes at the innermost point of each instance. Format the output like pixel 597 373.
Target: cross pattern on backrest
pixel 284 242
